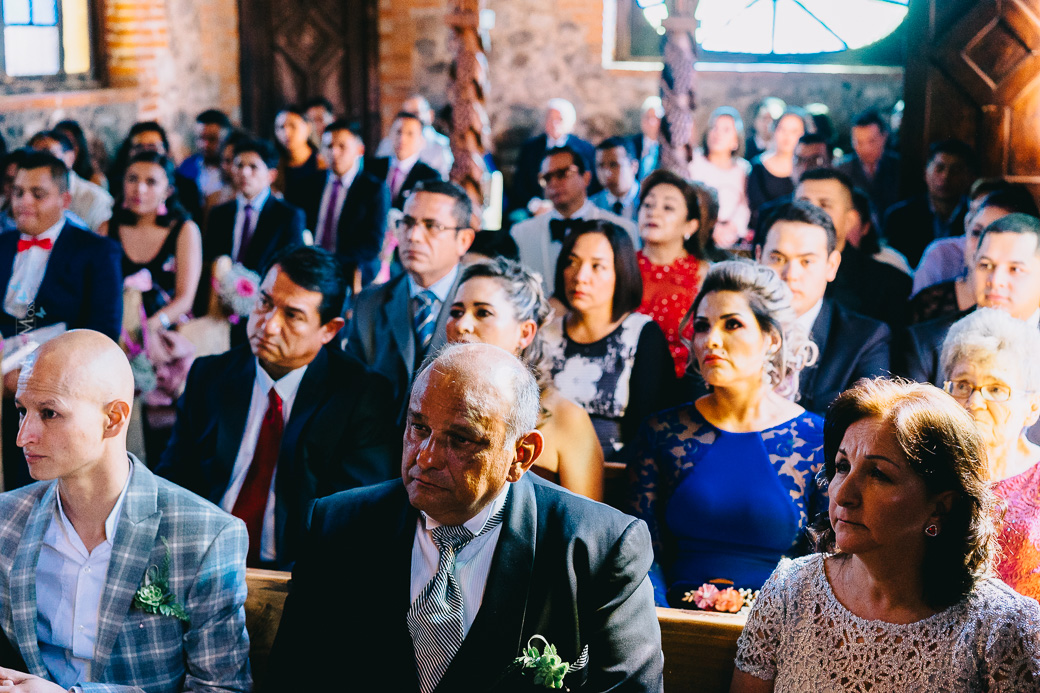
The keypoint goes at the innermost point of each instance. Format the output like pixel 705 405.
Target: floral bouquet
pixel 708 597
pixel 237 288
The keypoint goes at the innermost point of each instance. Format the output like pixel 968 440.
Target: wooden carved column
pixel 678 87
pixel 470 128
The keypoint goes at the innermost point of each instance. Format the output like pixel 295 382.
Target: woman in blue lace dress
pixel 726 483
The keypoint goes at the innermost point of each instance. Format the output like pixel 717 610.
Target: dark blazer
pixel 910 226
pixel 362 221
pixel 871 288
pixel 883 188
pixel 380 168
pixel 529 164
pixel 279 225
pixel 852 346
pixel 381 333
pixel 82 285
pixel 565 568
pixel 341 434
pixel 920 346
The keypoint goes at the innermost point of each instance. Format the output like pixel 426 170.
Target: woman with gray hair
pixel 726 483
pixel 989 365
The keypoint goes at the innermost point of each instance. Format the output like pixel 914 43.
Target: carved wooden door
pixel 973 72
pixel 292 50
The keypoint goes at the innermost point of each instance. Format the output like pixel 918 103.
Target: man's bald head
pixel 491 379
pixel 82 364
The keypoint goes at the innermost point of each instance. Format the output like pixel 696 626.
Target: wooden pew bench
pixel 698 646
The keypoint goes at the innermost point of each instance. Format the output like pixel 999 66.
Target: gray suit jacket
pixel 135 650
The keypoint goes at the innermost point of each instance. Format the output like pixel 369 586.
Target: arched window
pixel 45 40
pixel 781 31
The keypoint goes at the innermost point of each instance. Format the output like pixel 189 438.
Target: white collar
pixel 347 178
pixel 285 386
pixel 629 196
pixel 257 203
pixel 50 234
pixel 404 164
pixel 586 211
pixel 111 522
pixel 808 319
pixel 440 288
pixel 476 523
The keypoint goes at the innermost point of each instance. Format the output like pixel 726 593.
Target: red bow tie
pixel 25 244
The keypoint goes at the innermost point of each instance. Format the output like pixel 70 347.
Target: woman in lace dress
pixel 607 358
pixel 899 599
pixel 501 302
pixel 989 365
pixel 726 483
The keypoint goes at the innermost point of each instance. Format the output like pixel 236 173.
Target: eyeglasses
pixel 963 390
pixel 818 160
pixel 407 223
pixel 558 174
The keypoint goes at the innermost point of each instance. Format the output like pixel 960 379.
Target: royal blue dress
pixel 721 504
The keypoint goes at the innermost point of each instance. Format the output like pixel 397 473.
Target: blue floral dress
pixel 721 504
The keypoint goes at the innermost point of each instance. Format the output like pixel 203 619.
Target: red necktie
pixel 26 243
pixel 252 497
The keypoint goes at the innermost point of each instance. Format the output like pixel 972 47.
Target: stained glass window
pixel 45 38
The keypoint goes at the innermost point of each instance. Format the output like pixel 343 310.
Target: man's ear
pixel 117 418
pixel 330 329
pixel 528 448
pixel 272 175
pixel 833 262
pixel 587 177
pixel 66 200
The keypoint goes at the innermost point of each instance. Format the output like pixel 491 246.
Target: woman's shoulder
pixel 992 600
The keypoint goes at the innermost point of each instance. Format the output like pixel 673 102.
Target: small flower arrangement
pixel 237 288
pixel 154 596
pixel 708 597
pixel 546 667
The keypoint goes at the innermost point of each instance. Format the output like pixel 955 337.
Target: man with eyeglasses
pixel 565 178
pixel 395 325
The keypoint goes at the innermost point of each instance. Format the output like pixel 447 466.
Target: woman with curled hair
pixel 898 599
pixel 989 366
pixel 501 302
pixel 725 483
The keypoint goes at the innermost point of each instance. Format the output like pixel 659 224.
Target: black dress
pixel 162 267
pixel 763 186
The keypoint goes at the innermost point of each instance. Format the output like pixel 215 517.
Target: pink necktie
pixel 395 181
pixel 247 231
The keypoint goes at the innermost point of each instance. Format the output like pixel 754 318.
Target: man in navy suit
pixel 442 577
pixel 256 225
pixel 52 272
pixel 801 245
pixel 403 170
pixel 347 206
pixel 396 324
pixel 336 428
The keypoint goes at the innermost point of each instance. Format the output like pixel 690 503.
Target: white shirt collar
pixel 404 164
pixel 629 196
pixel 257 203
pixel 286 386
pixel 586 211
pixel 440 288
pixel 1034 319
pixel 552 144
pixel 50 234
pixel 808 319
pixel 111 522
pixel 347 178
pixel 476 523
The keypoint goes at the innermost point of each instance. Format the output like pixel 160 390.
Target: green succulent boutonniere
pixel 547 667
pixel 154 596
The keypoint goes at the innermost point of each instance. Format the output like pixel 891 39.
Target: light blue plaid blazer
pixel 136 650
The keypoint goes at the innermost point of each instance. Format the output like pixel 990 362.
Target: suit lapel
pixel 235 398
pixel 64 250
pixel 494 639
pixel 261 238
pixel 819 334
pixel 397 312
pixel 23 582
pixel 440 334
pixel 136 534
pixel 8 249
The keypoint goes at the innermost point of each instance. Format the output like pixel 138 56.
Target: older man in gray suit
pixel 111 579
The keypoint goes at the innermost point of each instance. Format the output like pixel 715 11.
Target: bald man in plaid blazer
pixel 111 579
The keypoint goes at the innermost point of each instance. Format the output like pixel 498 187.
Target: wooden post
pixel 470 127
pixel 678 87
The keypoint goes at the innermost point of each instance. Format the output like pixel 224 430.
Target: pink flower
pixel 140 281
pixel 729 600
pixel 245 288
pixel 705 596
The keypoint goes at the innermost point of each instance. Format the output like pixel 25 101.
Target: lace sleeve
pixel 758 643
pixel 1013 650
pixel 643 484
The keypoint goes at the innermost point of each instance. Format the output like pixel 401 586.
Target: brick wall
pixel 166 60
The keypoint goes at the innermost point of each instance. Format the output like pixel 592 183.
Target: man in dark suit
pixel 801 245
pixel 1006 277
pixel 52 272
pixel 912 224
pixel 335 426
pixel 888 297
pixel 532 559
pixel 559 122
pixel 396 324
pixel 871 166
pixel 403 170
pixel 347 206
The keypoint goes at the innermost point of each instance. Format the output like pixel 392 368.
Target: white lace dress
pixel 802 638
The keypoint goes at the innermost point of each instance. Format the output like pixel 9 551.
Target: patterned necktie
pixel 425 321
pixel 435 619
pixel 618 208
pixel 251 503
pixel 247 231
pixel 328 231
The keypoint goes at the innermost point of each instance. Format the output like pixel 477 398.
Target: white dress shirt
pixel 90 202
pixel 808 318
pixel 30 266
pixel 472 563
pixel 257 203
pixel 405 167
pixel 287 386
pixel 346 180
pixel 69 583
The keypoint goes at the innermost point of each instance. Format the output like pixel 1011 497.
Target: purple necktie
pixel 328 230
pixel 247 231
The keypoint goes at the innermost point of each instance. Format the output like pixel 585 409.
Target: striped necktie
pixel 435 619
pixel 425 320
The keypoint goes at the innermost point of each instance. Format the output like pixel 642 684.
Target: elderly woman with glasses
pixel 989 363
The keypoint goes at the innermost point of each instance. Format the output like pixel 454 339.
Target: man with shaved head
pixel 110 578
pixel 440 579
